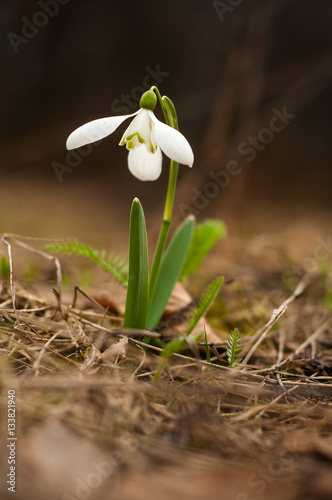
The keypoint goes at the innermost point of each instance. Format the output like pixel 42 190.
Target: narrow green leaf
pixel 205 237
pixel 138 275
pixel 170 269
pixel 205 302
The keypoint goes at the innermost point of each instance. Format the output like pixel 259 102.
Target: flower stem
pixel 164 227
pixel 171 120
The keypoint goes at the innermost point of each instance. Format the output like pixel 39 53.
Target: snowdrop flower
pixel 145 138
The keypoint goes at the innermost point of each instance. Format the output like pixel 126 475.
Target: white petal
pixel 95 130
pixel 144 165
pixel 172 142
pixel 139 124
pixel 139 132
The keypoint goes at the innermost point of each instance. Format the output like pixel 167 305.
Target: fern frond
pixel 113 264
pixel 234 348
pixel 205 303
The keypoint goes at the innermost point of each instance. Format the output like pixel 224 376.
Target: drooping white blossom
pixel 145 138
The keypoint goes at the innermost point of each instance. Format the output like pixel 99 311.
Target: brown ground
pixel 92 424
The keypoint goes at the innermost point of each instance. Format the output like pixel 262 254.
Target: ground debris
pixel 91 420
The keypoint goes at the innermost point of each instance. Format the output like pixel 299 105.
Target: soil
pixel 91 422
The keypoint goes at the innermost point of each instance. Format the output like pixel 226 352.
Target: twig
pixel 274 401
pixel 36 364
pixel 31 238
pixel 304 344
pixel 301 347
pixel 48 257
pixel 120 331
pixel 14 239
pixel 6 303
pixel 230 371
pixel 281 345
pixel 11 281
pixel 137 369
pixel 27 334
pixel 93 314
pixel 277 313
pixel 82 292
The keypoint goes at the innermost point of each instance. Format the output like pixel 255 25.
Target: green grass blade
pixel 170 269
pixel 138 275
pixel 205 237
pixel 205 302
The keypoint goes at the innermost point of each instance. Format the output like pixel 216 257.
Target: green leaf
pixel 170 269
pixel 205 237
pixel 205 302
pixel 234 348
pixel 138 276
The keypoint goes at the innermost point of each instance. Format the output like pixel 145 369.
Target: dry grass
pixel 92 424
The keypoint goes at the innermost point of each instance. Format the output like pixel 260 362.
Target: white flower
pixel 145 138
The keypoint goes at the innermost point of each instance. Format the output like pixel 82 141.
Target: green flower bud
pixel 148 100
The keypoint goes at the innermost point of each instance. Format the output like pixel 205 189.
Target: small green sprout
pixel 234 348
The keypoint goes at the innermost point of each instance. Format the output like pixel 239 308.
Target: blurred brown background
pixel 229 66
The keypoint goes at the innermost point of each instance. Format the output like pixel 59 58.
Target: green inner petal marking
pixel 152 148
pixel 132 140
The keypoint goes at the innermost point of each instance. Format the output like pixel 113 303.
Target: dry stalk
pixel 277 313
pixel 5 238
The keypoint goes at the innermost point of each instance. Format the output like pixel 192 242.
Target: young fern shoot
pixel 205 303
pixel 234 348
pixel 113 264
